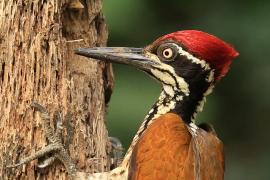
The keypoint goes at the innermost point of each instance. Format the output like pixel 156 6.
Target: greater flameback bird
pixel 168 144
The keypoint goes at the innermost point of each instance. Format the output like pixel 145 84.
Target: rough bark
pixel 37 63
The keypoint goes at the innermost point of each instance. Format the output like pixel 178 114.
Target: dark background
pixel 240 105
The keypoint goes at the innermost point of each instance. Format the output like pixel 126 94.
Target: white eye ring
pixel 167 53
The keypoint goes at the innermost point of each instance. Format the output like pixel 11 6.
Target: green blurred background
pixel 240 105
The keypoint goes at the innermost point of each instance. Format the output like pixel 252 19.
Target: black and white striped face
pixel 186 79
pixel 176 67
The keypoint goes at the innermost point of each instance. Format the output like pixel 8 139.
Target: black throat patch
pixel 198 81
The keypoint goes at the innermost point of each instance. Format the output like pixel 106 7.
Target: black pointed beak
pixel 121 55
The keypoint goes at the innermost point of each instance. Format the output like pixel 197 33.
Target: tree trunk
pixel 37 63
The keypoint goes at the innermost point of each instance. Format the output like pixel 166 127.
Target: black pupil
pixel 167 53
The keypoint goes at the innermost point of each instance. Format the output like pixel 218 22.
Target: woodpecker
pixel 169 145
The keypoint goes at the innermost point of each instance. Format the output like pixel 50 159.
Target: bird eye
pixel 167 52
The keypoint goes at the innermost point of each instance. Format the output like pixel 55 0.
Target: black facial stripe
pixel 157 77
pixel 161 80
pixel 196 77
pixel 171 74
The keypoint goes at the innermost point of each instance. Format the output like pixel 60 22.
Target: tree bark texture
pixel 37 63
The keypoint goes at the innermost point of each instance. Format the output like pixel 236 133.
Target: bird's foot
pixel 55 149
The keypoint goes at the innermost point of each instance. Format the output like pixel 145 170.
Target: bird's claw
pixel 55 148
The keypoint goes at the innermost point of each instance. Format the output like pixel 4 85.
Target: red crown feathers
pixel 217 53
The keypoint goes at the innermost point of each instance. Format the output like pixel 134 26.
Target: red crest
pixel 213 50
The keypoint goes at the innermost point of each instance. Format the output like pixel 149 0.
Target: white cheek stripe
pixel 165 76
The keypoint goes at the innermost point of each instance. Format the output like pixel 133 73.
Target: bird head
pixel 189 61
